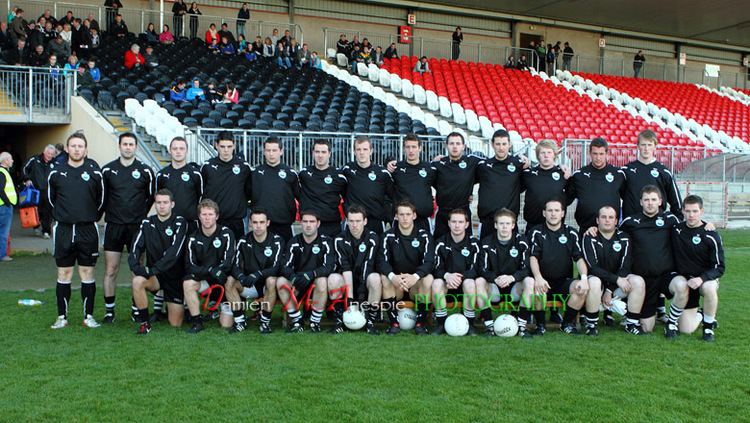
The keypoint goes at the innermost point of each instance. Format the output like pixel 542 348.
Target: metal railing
pixel 31 95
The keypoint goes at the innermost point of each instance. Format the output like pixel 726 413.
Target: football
pixel 407 318
pixel 456 325
pixel 354 319
pixel 506 326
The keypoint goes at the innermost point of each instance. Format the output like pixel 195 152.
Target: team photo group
pixel 381 242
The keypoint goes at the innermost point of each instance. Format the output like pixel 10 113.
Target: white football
pixel 619 307
pixel 407 319
pixel 456 325
pixel 354 319
pixel 506 326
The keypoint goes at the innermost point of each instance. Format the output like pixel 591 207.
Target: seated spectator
pixel 17 56
pixel 166 36
pixel 84 78
pixel 355 57
pixel 421 66
pixel 391 52
pixel 269 50
pixel 511 63
pixel 241 44
pixel 177 93
pixel 231 95
pixel 304 57
pixel 366 43
pixel 133 58
pixel 227 48
pixel 66 33
pixel 213 95
pixel 282 56
pixel 95 73
pixel 522 65
pixel 355 42
pixel 72 64
pixel 195 93
pixel 342 46
pixel 54 65
pixel 37 57
pixel 294 50
pixel 49 33
pixel 377 56
pixel 212 35
pixel 224 32
pixel 151 36
pixel 257 46
pixel 59 48
pixel 94 41
pixel 214 47
pixel 315 61
pixel 119 28
pixel 287 38
pixel 34 36
pixel 366 55
pixel 150 58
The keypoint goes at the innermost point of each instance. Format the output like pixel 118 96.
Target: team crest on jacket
pixel 315 249
pixel 185 177
pixel 513 252
pixel 609 177
pixel 563 239
pixel 217 243
pixel 462 165
pixel 136 174
pixel 465 252
pixel 282 174
pixel 555 176
pixel 85 176
pixel 654 173
pixel 422 173
pixel 415 243
pixel 236 169
pixel 617 247
pixel 696 240
pixel 267 252
pixel 659 222
pixel 511 167
pixel 169 232
pixel 362 248
pixel 372 176
pixel 328 180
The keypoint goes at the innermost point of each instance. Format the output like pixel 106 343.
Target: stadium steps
pixel 158 157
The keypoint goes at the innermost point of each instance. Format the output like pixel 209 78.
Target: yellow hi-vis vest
pixel 10 190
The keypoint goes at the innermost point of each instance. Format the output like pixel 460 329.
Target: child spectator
pixel 95 73
pixel 227 48
pixel 150 58
pixel 166 36
pixel 177 93
pixel 72 64
pixel 231 95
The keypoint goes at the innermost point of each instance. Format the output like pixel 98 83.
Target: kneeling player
pixel 505 267
pixel 308 261
pixel 355 259
pixel 161 238
pixel 256 267
pixel 455 272
pixel 554 248
pixel 405 262
pixel 699 260
pixel 209 258
pixel 608 255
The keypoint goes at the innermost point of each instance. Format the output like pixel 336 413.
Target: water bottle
pixel 29 302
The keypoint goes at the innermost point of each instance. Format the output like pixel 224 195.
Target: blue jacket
pixel 193 92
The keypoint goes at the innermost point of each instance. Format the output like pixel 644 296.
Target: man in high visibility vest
pixel 8 198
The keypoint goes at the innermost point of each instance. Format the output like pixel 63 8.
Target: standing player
pixel 542 182
pixel 595 185
pixel 499 180
pixel 321 189
pixel 413 180
pixel 227 181
pixel 256 267
pixel 650 234
pixel 36 171
pixel 505 266
pixel 455 272
pixel 699 260
pixel 76 194
pixel 183 180
pixel 309 260
pixel 405 263
pixel 161 239
pixel 368 185
pixel 208 259
pixel 608 255
pixel 275 188
pixel 554 249
pixel 128 196
pixel 356 251
pixel 454 182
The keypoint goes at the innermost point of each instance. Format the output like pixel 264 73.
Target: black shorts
pixel 76 243
pixel 559 290
pixel 655 286
pixel 173 291
pixel 237 226
pixel 118 236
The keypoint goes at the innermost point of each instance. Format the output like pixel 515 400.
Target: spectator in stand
pixel 179 10
pixel 366 43
pixel 113 8
pixel 355 42
pixel 17 56
pixel 5 41
pixel 54 64
pixel 215 47
pixel 94 41
pixel 422 66
pixel 212 94
pixel 275 36
pixel 68 19
pixel 166 36
pixel 557 48
pixel 37 58
pixel 567 56
pixel 315 61
pixel 49 33
pixel 193 11
pixel 151 36
pixel 67 34
pixel 257 46
pixel 231 95
pixel 457 39
pixel 269 50
pixel 133 58
pixel 72 65
pixel 533 55
pixel 84 39
pixel 287 38
pixel 391 52
pixel 542 54
pixel 94 24
pixel 550 60
pixel 377 56
pixel 224 32
pixel 282 56
pixel 95 73
pixel 355 57
pixel 366 55
pixel 522 65
pixel 59 48
pixel 12 14
pixel 150 58
pixel 212 35
pixel 47 15
pixel 638 61
pixel 177 93
pixel 510 63
pixel 34 37
pixel 342 46
pixel 227 48
pixel 17 27
pixel 294 50
pixel 243 15
pixel 241 44
pixel 304 57
pixel 195 93
pixel 84 78
pixel 119 28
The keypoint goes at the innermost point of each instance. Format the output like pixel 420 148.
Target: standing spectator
pixel 282 56
pixel 287 38
pixel 304 57
pixel 377 56
pixel 8 199
pixel 5 41
pixel 166 37
pixel 257 46
pixel 550 59
pixel 421 66
pixel 342 46
pixel 67 34
pixel 533 55
pixel 212 35
pixel 638 61
pixel 12 14
pixel 542 55
pixel 275 36
pixel 152 37
pixel 567 56
pixel 35 172
pixel 231 95
pixel 150 58
pixel 34 37
pixel 59 48
pixel 179 9
pixel 113 9
pixel 84 39
pixel 243 15
pixel 366 44
pixel 94 24
pixel 133 58
pixel 391 52
pixel 119 28
pixel 511 63
pixel 195 93
pixel 224 32
pixel 68 19
pixel 458 37
pixel 557 49
pixel 95 73
pixel 49 33
pixel 16 56
pixel 194 12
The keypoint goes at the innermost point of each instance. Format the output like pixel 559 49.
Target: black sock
pixel 392 313
pixel 632 318
pixel 422 312
pixel 372 313
pixel 470 315
pixel 592 318
pixel 338 311
pixel 109 304
pixel 143 315
pixel 440 315
pixel 158 302
pixel 63 298
pixel 265 317
pixel 134 309
pixel 88 294
pixel 316 316
pixel 539 317
pixel 197 319
pixel 486 314
pixel 661 305
pixel 569 317
pixel 295 316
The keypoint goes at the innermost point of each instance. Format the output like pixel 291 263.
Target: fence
pixel 33 95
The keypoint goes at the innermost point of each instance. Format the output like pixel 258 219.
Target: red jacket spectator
pixel 211 35
pixel 134 58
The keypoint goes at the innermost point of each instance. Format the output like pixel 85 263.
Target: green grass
pixel 110 374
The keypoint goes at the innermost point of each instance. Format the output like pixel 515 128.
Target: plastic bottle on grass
pixel 29 302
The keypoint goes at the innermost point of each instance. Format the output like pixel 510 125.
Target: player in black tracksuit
pixel 699 260
pixel 257 264
pixel 413 180
pixel 186 184
pixel 275 189
pixel 540 183
pixel 308 261
pixel 36 171
pixel 455 273
pixel 128 196
pixel 157 260
pixel 227 181
pixel 406 260
pixel 370 186
pixel 76 195
pixel 209 260
pixel 322 188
